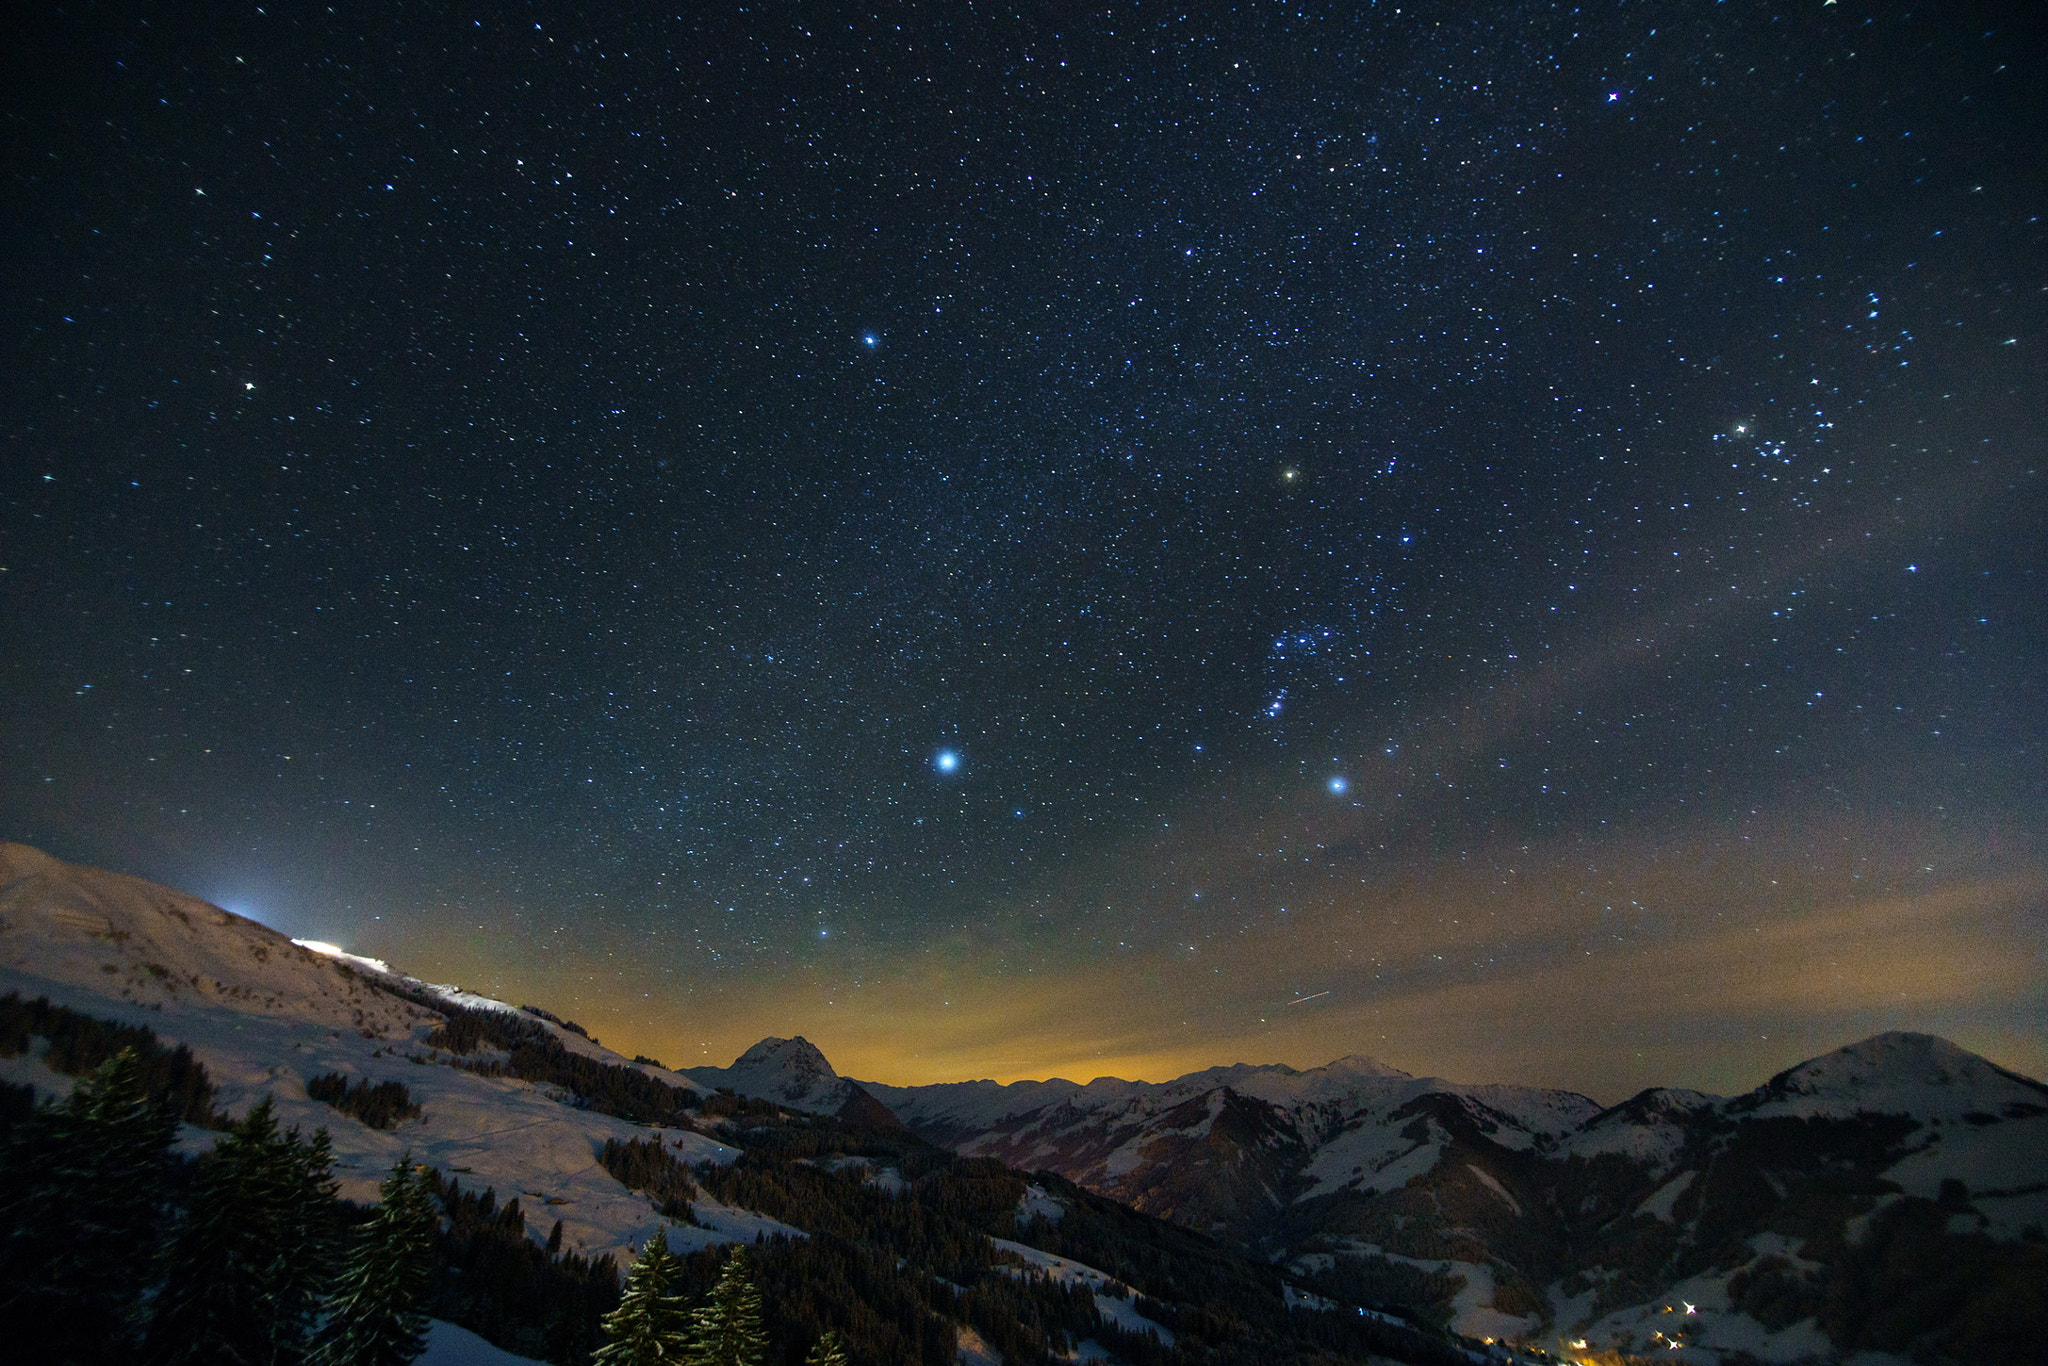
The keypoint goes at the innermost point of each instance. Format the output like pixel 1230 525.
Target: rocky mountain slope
pixel 1227 1148
pixel 793 1072
pixel 1519 1212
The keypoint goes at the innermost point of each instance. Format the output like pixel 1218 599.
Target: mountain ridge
pixel 1508 1212
pixel 1549 1207
pixel 794 1072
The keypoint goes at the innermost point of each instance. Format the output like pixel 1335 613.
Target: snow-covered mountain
pixel 1282 1135
pixel 1533 1206
pixel 793 1072
pixel 1359 1126
pixel 1897 1074
pixel 1649 1128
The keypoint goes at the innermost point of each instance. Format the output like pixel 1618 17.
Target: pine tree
pixel 242 1274
pixel 828 1351
pixel 308 1240
pixel 374 1316
pixel 649 1326
pixel 81 1190
pixel 726 1329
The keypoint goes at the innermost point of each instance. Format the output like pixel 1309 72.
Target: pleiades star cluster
pixel 1028 541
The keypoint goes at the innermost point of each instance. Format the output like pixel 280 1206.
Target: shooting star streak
pixel 1309 997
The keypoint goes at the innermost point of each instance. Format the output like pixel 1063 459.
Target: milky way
pixel 1505 539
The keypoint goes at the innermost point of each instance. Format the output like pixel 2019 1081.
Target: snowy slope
pixel 120 937
pixel 265 1016
pixel 1896 1074
pixel 1973 1121
pixel 1113 1299
pixel 449 1345
pixel 1649 1128
pixel 486 1131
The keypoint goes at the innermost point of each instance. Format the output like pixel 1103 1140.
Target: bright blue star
pixel 946 761
pixel 870 340
pixel 1339 785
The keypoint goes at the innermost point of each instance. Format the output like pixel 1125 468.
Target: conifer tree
pixel 241 1276
pixel 81 1190
pixel 726 1329
pixel 308 1239
pixel 828 1351
pixel 375 1315
pixel 649 1327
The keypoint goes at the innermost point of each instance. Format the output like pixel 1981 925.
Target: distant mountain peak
pixel 789 1072
pixel 1898 1072
pixel 1359 1065
pixel 798 1056
pixel 1892 1057
pixel 1658 1100
pixel 794 1072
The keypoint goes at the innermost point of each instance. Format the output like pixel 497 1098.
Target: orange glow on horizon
pixel 1732 963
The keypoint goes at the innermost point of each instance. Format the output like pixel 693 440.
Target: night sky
pixel 1508 539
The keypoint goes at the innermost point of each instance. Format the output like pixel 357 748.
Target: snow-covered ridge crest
pixel 1320 1102
pixel 127 939
pixel 445 991
pixel 1896 1073
pixel 132 940
pixel 1650 1127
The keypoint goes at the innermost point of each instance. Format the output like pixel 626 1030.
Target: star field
pixel 1026 542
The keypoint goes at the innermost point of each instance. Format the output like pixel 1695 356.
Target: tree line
pixel 527 1297
pixel 79 1043
pixel 533 1054
pixel 381 1105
